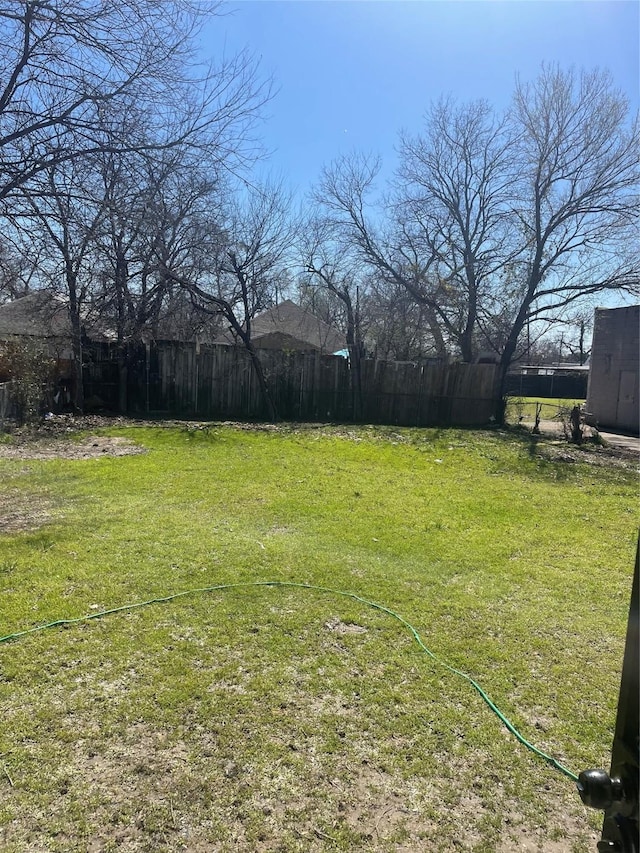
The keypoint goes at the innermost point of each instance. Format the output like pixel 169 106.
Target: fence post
pixel 147 360
pixel 616 793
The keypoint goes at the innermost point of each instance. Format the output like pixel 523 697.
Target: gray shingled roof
pixel 40 314
pixel 290 319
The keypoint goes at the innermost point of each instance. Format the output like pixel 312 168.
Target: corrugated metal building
pixel 613 398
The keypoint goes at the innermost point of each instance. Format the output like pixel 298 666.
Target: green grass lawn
pixel 524 408
pixel 286 719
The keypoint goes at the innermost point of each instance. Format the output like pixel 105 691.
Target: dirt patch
pixel 91 447
pixel 339 627
pixel 608 450
pixel 604 456
pixel 57 438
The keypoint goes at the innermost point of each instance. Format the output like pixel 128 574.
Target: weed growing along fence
pixel 187 380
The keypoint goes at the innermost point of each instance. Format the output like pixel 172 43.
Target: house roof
pixel 291 320
pixel 41 314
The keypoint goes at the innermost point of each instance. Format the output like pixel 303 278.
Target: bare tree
pixel 124 287
pixel 391 250
pixel 58 203
pixel 496 226
pixel 566 338
pixel 159 214
pixel 576 201
pixel 19 265
pixel 451 195
pixel 114 87
pixel 114 222
pixel 331 264
pixel 396 324
pixel 67 65
pixel 184 219
pixel 577 344
pixel 243 276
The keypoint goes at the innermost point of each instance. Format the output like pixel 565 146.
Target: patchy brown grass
pixel 151 789
pixel 27 511
pixel 19 512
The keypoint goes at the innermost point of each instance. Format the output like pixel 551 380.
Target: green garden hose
pixel 59 622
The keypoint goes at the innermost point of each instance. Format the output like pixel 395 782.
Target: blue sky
pixel 350 75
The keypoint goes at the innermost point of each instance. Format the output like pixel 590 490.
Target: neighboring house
pixel 613 400
pixel 43 317
pixel 290 327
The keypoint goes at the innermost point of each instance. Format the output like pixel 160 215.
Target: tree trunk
pixel 522 318
pixel 78 377
pixel 355 358
pixel 466 348
pixel 434 328
pixel 123 374
pixel 272 412
pixel 76 340
pixel 120 284
pixel 583 355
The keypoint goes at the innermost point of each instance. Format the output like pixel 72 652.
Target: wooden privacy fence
pixel 166 378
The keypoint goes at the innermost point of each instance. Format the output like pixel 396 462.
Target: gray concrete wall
pixel 613 396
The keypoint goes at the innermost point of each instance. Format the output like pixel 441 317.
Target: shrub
pixel 30 369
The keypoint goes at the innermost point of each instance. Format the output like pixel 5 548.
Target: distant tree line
pixel 128 184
